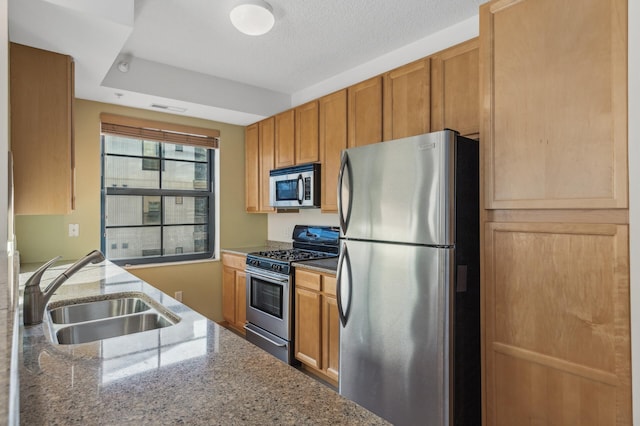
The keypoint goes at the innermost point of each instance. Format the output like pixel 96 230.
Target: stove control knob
pixel 275 267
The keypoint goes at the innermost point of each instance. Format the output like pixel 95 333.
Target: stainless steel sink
pixel 101 309
pixel 86 320
pixel 112 327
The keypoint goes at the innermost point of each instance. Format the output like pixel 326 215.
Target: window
pixel 157 199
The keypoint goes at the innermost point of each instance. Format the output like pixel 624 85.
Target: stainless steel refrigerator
pixel 408 279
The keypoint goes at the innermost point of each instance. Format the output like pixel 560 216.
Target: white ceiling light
pixel 253 17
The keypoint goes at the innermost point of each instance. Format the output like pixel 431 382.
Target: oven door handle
pixel 266 277
pixel 257 333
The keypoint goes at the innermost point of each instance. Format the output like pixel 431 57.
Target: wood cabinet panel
pixel 557 311
pixel 234 291
pixel 241 299
pixel 330 336
pixel 555 103
pixel 252 168
pixel 407 100
pixel 365 112
pixel 309 280
pixel 308 344
pixel 333 139
pixel 285 139
pixel 229 294
pixel 41 101
pixel 455 89
pixel 307 133
pixel 267 160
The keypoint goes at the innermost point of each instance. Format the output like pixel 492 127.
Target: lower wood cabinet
pixel 557 347
pixel 234 291
pixel 317 335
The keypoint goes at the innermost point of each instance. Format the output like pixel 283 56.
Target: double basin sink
pixel 91 319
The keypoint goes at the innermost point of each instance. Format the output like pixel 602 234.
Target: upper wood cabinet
pixel 333 139
pixel 285 139
pixel 554 97
pixel 266 131
pixel 407 100
pixel 252 168
pixel 365 112
pixel 455 91
pixel 41 106
pixel 307 133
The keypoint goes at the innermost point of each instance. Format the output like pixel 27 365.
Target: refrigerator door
pixel 394 341
pixel 400 191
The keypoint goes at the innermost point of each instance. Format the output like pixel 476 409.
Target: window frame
pixel 209 193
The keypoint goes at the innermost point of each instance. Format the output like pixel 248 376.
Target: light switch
pixel 74 229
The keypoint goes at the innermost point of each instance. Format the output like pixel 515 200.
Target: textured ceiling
pixel 186 53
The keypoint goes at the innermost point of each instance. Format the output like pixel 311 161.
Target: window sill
pixel 159 265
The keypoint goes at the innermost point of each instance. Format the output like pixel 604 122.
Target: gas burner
pixel 292 255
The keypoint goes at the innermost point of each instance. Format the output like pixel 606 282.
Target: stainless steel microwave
pixel 295 187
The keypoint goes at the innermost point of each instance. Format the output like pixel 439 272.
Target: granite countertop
pixel 327 266
pixel 194 372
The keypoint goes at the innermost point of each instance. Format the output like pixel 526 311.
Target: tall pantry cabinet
pixel 556 346
pixel 41 103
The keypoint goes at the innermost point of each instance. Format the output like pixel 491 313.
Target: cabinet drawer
pixel 329 285
pixel 308 280
pixel 234 261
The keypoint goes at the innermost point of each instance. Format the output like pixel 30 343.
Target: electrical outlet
pixel 178 296
pixel 74 229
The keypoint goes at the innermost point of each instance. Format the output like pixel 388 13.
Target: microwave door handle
pixel 344 210
pixel 343 287
pixel 300 189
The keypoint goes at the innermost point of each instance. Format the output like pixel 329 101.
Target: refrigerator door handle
pixel 344 211
pixel 343 288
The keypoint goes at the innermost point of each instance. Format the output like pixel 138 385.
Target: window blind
pixel 159 131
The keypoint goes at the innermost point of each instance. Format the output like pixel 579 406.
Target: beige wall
pixel 41 238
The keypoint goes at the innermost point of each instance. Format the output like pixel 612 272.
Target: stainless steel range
pixel 270 288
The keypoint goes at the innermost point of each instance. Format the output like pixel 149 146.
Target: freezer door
pixel 394 340
pixel 401 191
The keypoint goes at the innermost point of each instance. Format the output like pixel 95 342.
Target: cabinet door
pixel 555 99
pixel 308 328
pixel 285 139
pixel 307 133
pixel 557 324
pixel 407 101
pixel 333 139
pixel 455 91
pixel 252 169
pixel 41 98
pixel 267 160
pixel 241 299
pixel 229 294
pixel 330 337
pixel 365 112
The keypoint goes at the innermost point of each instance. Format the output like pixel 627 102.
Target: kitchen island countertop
pixel 194 372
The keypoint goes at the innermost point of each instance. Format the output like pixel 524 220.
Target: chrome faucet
pixel 35 299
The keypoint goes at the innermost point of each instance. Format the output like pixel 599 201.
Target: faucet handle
pixel 34 280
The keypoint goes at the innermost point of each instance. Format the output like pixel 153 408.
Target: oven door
pixel 269 301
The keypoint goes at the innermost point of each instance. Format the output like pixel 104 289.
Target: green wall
pixel 40 238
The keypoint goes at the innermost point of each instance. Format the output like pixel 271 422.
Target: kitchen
pixel 233 232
